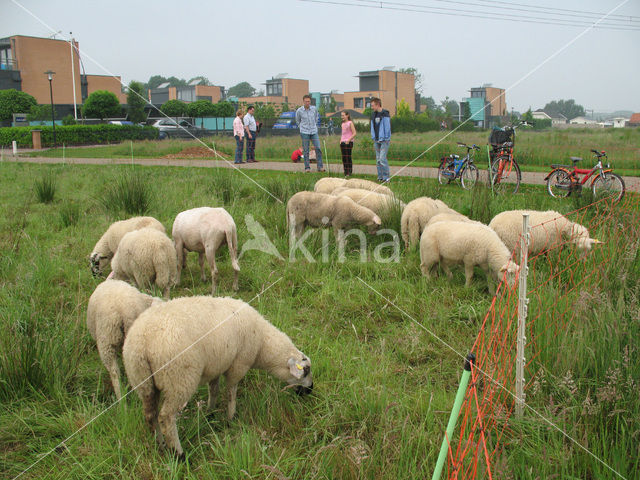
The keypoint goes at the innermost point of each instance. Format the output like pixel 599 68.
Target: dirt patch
pixel 197 152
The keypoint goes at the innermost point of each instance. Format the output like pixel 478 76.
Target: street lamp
pixel 50 75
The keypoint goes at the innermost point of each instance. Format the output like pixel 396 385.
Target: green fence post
pixel 453 418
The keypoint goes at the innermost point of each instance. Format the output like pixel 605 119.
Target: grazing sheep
pixel 451 217
pixel 204 230
pixel 108 244
pixel 377 202
pixel 548 230
pixel 113 307
pixel 467 243
pixel 322 210
pixel 416 215
pixel 328 184
pixel 146 256
pixel 173 348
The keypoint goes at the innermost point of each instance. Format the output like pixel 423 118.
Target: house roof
pixel 635 118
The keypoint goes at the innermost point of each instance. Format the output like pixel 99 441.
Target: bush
pixel 201 108
pixel 13 101
pixel 69 120
pixel 129 193
pixel 102 104
pixel 40 113
pixel 174 108
pixel 136 103
pixel 78 134
pixel 45 187
pixel 69 214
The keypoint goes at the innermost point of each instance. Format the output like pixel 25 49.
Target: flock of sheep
pixel 170 347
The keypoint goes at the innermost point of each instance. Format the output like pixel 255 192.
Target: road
pixel 534 178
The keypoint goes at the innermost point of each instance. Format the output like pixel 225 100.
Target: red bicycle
pixel 564 179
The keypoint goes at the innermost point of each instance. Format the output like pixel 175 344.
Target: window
pixel 274 89
pixel 357 102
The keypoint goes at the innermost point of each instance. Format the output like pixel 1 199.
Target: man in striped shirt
pixel 307 118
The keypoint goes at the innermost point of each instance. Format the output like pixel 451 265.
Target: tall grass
pixel 45 187
pixel 129 192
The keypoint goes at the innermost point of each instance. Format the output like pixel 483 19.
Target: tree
pixel 242 89
pixel 450 107
pixel 225 109
pixel 265 112
pixel 429 102
pixel 39 113
pixel 136 102
pixel 13 101
pixel 201 108
pixel 101 104
pixel 332 105
pixel 568 108
pixel 403 110
pixel 528 116
pixel 174 108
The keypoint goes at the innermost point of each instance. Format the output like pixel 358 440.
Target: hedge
pixel 77 134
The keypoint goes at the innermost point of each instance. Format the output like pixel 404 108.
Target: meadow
pixel 385 343
pixel 535 151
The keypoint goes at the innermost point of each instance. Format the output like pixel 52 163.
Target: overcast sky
pixel 329 42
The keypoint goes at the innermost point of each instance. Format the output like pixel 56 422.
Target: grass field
pixel 384 386
pixel 535 151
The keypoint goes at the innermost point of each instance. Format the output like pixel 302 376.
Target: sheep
pixel 548 230
pixel 113 307
pixel 204 230
pixel 328 184
pixel 416 215
pixel 452 216
pixel 321 210
pixel 146 256
pixel 377 202
pixel 108 244
pixel 174 347
pixel 467 243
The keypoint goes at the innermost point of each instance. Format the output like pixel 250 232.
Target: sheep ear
pixel 295 368
pixel 377 220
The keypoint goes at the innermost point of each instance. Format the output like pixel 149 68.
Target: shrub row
pixel 77 134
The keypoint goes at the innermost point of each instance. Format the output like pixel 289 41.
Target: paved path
pixel 534 178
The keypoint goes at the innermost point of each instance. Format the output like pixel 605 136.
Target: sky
pixel 330 41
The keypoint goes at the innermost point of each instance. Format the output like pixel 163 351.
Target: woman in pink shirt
pixel 238 133
pixel 346 142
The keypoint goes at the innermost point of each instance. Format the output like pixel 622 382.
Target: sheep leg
pixel 109 359
pixel 447 269
pixel 214 387
pixel 172 404
pixel 150 396
pixel 425 269
pixel 233 376
pixel 233 253
pixel 181 256
pixel 203 275
pixel 468 273
pixel 210 250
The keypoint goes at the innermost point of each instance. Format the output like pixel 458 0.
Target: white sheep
pixel 379 203
pixel 146 256
pixel 328 184
pixel 108 244
pixel 204 230
pixel 322 210
pixel 452 216
pixel 416 215
pixel 173 348
pixel 549 229
pixel 469 244
pixel 113 307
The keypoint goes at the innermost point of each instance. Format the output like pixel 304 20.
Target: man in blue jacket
pixel 381 135
pixel 307 118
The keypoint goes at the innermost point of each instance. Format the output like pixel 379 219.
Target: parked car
pixel 286 125
pixel 168 128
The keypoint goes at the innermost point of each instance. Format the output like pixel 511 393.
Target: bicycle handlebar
pixel 472 147
pixel 599 154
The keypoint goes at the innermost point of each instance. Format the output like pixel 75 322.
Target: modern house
pixel 279 90
pixel 584 121
pixel 388 85
pixel 486 104
pixel 556 119
pixel 188 94
pixel 24 61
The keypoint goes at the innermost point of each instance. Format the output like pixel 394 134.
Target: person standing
pixel 250 128
pixel 238 133
pixel 307 118
pixel 346 142
pixel 381 135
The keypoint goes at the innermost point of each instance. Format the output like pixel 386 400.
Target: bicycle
pixel 503 168
pixel 453 167
pixel 564 179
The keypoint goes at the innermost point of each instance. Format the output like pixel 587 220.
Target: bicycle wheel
pixel 469 176
pixel 505 175
pixel 608 185
pixel 445 173
pixel 559 184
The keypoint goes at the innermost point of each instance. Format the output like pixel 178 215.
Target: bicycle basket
pixel 499 136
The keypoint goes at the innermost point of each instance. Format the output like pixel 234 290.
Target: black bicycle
pixel 453 167
pixel 504 171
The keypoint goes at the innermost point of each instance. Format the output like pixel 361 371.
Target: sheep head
pixel 511 269
pixel 300 374
pixel 374 225
pixel 97 262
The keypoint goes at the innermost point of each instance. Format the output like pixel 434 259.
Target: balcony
pixel 8 65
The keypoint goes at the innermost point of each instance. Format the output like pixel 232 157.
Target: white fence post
pixel 523 302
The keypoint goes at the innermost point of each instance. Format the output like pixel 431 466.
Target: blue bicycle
pixel 453 167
